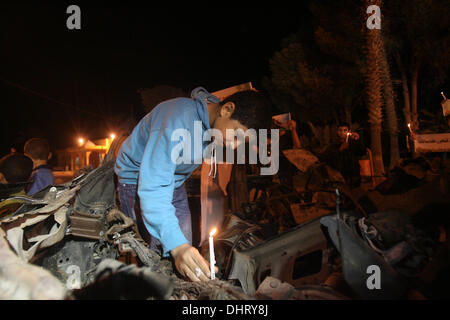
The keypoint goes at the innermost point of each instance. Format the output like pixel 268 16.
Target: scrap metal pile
pixel 292 235
pixel 71 242
pixel 305 241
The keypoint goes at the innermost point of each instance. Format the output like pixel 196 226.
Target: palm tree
pixel 391 113
pixel 374 53
pixel 420 38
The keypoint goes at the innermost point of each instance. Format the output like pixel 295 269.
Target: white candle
pixel 212 258
pixel 409 127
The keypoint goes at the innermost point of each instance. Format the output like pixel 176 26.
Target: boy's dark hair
pixel 343 124
pixel 16 168
pixel 37 148
pixel 253 109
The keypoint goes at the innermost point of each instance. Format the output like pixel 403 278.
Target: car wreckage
pixel 71 241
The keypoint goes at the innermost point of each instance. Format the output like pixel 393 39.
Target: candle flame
pixel 213 231
pixel 409 125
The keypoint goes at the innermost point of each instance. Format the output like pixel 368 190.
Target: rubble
pixel 273 289
pixel 279 241
pixel 299 256
pixel 20 280
pixel 116 280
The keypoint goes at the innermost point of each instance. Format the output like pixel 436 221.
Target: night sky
pixel 58 83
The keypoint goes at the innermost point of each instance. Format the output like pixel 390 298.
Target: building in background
pixel 87 153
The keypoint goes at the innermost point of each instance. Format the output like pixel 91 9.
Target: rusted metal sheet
pixel 225 93
pixel 301 158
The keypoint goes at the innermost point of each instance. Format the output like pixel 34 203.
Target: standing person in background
pixel 42 176
pixel 343 155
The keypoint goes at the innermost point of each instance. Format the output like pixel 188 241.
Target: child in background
pixel 42 176
pixel 15 170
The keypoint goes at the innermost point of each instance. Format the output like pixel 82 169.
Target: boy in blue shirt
pixel 42 176
pixel 146 168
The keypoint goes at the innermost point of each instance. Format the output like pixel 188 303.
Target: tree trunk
pixel 406 96
pixel 373 90
pixel 415 115
pixel 391 113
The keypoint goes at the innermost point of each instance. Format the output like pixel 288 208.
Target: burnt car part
pixel 299 257
pixel 357 256
pixel 88 226
pixel 97 193
pixel 23 281
pixel 208 290
pixel 129 242
pixel 74 260
pixel 274 289
pixel 236 234
pixel 116 280
pixel 40 228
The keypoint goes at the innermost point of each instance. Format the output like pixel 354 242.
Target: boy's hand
pixel 354 135
pixel 188 260
pixel 292 125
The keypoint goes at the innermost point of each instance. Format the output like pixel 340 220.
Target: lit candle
pixel 348 134
pixel 409 127
pixel 212 258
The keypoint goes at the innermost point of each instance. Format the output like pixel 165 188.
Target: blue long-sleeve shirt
pixel 145 158
pixel 42 177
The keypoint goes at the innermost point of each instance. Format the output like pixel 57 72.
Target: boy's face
pixel 342 132
pixel 224 122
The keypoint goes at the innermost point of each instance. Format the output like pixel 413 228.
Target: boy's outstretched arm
pixel 155 190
